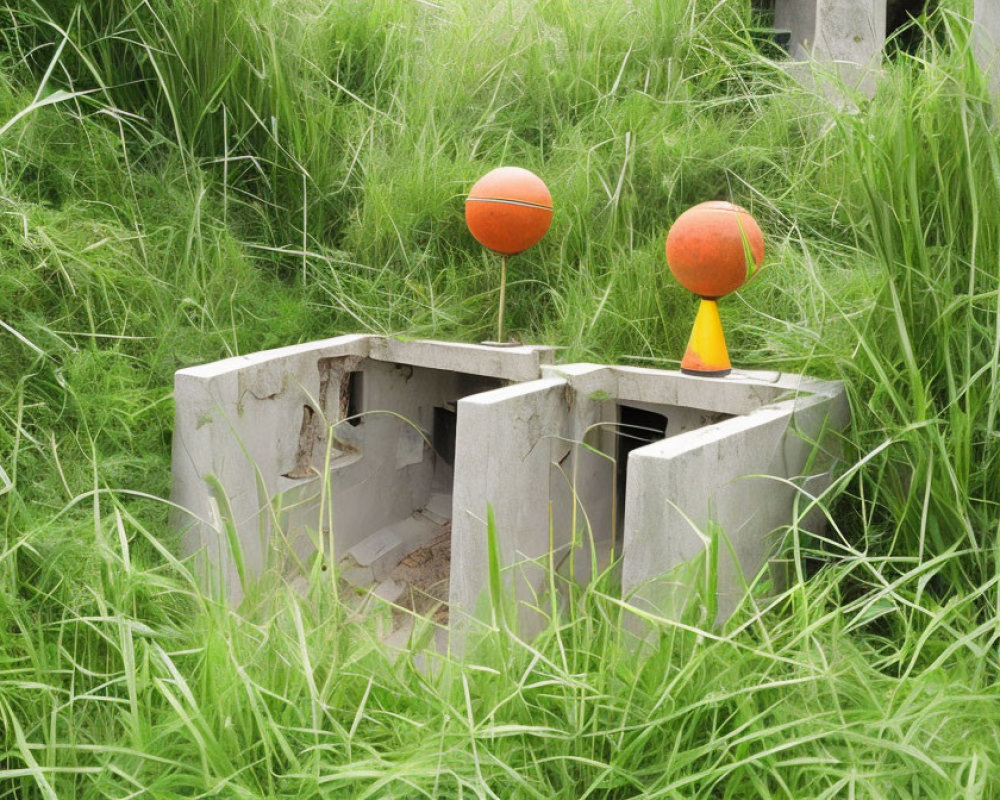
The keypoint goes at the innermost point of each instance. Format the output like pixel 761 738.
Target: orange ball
pixel 707 248
pixel 508 210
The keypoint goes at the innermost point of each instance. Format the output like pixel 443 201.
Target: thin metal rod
pixel 503 297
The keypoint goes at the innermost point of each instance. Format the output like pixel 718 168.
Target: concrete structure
pixel 351 435
pixel 851 31
pixel 640 460
pixel 362 448
pixel 843 38
pixel 986 39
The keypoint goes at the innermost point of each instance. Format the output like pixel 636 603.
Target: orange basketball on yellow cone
pixel 708 245
pixel 712 250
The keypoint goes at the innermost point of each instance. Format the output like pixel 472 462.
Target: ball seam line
pixel 523 203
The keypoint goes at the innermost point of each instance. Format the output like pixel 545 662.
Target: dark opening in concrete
pixel 445 429
pixel 355 398
pixel 637 427
pixel 903 32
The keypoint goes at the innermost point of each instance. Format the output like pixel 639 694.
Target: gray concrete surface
pixel 986 39
pixel 740 479
pixel 837 42
pixel 852 31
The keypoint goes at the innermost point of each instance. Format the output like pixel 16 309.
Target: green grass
pixel 184 181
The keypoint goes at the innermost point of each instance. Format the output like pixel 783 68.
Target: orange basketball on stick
pixel 708 245
pixel 508 210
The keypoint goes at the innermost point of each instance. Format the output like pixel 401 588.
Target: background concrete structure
pixel 362 448
pixel 852 31
pixel 842 41
pixel 986 39
pixel 844 38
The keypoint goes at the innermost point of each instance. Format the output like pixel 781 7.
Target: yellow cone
pixel 706 351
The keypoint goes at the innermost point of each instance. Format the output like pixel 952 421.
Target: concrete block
pixel 438 508
pixel 503 460
pixel 237 433
pixel 377 548
pixel 833 30
pixel 841 39
pixel 986 39
pixel 799 17
pixel 411 533
pixel 388 590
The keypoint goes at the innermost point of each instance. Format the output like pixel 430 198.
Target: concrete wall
pixel 236 434
pixel 507 440
pixel 380 470
pixel 833 30
pixel 253 436
pixel 986 39
pixel 741 476
pixel 842 40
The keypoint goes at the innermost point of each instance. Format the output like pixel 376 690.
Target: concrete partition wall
pixel 743 477
pixel 541 454
pixel 538 451
pixel 506 441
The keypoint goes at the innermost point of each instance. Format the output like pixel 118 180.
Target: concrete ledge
pixel 520 363
pixel 286 357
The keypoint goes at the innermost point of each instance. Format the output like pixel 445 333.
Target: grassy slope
pixel 241 175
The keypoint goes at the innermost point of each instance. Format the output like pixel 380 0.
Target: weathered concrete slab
pixel 388 590
pixel 504 460
pixel 380 544
pixel 520 363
